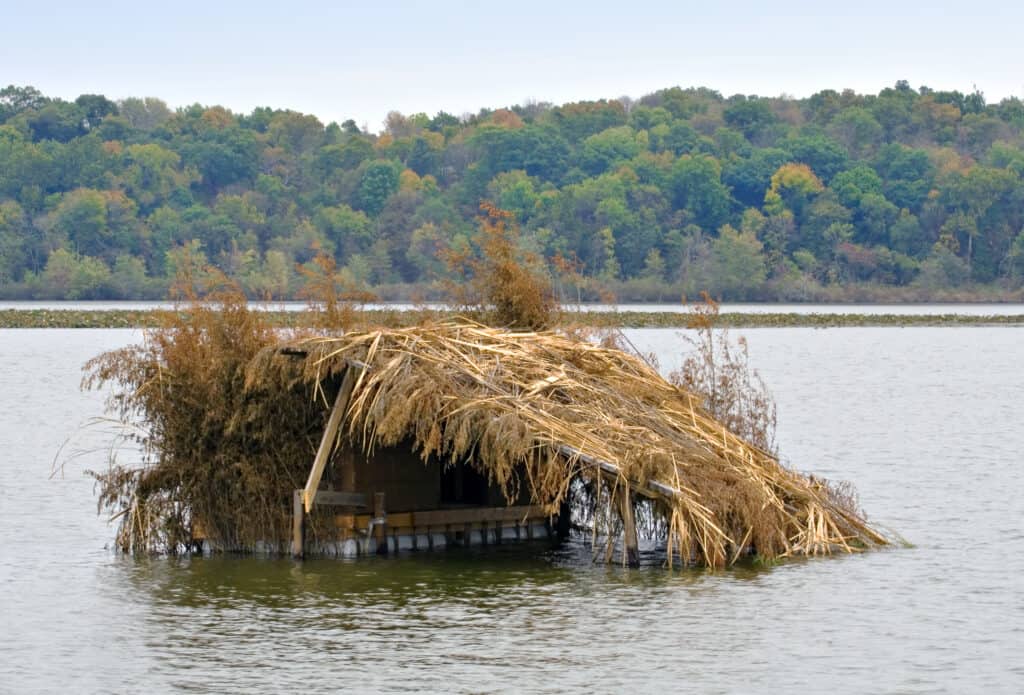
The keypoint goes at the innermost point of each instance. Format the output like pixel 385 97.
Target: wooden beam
pixel 340 499
pixel 653 489
pixel 329 437
pixel 345 462
pixel 380 523
pixel 631 548
pixel 298 518
pixel 442 518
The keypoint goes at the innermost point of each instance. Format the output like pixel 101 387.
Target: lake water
pixel 929 423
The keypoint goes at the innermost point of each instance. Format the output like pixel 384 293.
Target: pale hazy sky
pixel 343 60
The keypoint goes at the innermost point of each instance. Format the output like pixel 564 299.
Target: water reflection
pixel 493 616
pixel 454 575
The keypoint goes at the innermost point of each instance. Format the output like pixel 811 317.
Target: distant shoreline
pixel 150 318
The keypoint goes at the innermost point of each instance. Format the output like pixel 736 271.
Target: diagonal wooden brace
pixel 330 436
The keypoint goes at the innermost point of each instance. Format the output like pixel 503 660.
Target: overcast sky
pixel 343 60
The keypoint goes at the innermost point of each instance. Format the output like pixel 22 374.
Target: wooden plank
pixel 653 489
pixel 340 499
pixel 345 462
pixel 323 453
pixel 298 518
pixel 631 547
pixel 380 523
pixel 440 517
pixel 402 520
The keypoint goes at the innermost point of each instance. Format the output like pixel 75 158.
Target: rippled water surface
pixel 929 422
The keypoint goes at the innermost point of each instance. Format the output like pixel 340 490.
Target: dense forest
pixel 907 194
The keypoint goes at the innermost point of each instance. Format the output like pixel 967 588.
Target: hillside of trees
pixel 907 194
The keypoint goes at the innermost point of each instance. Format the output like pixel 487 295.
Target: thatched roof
pixel 541 410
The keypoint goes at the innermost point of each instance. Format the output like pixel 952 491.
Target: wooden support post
pixel 298 520
pixel 564 526
pixel 346 461
pixel 380 523
pixel 330 435
pixel 467 534
pixel 498 532
pixel 631 546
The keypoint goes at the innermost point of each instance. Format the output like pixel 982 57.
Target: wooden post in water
pixel 380 523
pixel 298 519
pixel 346 461
pixel 631 544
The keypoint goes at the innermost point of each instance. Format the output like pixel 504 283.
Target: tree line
pixel 906 193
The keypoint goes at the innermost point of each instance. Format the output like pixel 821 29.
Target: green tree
pixel 696 186
pixel 853 184
pixel 81 218
pixel 19 245
pixel 858 131
pixel 751 116
pixel 15 100
pixel 152 175
pixel 516 192
pixel 146 114
pixel 70 276
pixel 349 230
pixel 822 154
pixel 737 264
pixel 602 151
pixel 128 279
pixel 378 182
pixel 749 177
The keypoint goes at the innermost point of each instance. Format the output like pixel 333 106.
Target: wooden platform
pixel 427 530
pixel 365 533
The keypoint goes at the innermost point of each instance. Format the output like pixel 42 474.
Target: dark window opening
pixel 462 484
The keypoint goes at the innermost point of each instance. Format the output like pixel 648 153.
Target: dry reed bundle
pixel 542 410
pixel 231 428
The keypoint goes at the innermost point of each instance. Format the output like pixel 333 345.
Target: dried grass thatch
pixel 234 411
pixel 544 410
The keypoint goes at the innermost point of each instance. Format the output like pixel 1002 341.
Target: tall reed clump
pixel 719 370
pixel 334 301
pixel 215 455
pixel 498 282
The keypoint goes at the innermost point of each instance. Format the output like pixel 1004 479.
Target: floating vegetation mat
pixel 398 318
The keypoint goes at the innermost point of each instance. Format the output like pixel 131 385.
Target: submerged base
pixel 363 534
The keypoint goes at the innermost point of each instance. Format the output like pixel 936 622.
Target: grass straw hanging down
pixel 544 407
